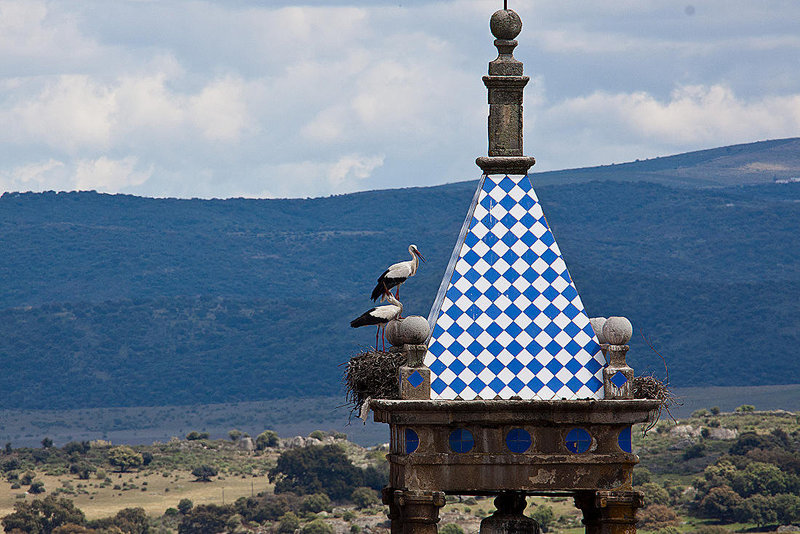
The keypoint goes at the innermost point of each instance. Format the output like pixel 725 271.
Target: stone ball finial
pixel 597 325
pixel 617 330
pixel 505 24
pixel 411 330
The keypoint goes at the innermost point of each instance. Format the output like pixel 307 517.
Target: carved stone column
pixel 609 512
pixel 387 497
pixel 419 511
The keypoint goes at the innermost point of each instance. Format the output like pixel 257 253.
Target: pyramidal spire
pixel 507 320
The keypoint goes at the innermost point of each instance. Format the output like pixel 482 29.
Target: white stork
pixel 380 316
pixel 398 273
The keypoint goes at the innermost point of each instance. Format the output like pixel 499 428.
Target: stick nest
pixel 650 387
pixel 372 374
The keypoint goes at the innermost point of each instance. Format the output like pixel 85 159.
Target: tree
pixel 316 469
pixel 654 494
pixel 36 488
pixel 758 509
pixel 364 497
pixel 744 408
pixel 268 438
pixel 77 447
pixel 656 516
pixel 721 503
pixel 288 523
pixel 317 526
pixel 184 505
pixel 47 443
pixel 235 435
pixel 205 519
pixel 42 516
pixel 124 458
pixel 204 473
pixel 450 528
pixel 543 515
pixel 318 502
pixel 194 435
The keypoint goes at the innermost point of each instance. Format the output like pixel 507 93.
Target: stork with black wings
pixel 380 316
pixel 397 274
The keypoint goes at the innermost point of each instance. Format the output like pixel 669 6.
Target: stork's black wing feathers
pixel 385 284
pixel 365 319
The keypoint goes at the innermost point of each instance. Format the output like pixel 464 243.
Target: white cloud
pixel 317 178
pixel 235 98
pixel 101 174
pixel 104 174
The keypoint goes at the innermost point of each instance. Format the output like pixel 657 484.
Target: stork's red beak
pixel 419 254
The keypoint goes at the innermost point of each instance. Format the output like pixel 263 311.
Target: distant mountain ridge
pixel 744 164
pixel 116 300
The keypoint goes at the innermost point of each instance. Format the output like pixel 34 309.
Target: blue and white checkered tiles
pixel 511 323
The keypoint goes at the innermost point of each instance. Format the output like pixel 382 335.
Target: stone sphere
pixel 505 24
pixel 411 330
pixel 597 325
pixel 617 330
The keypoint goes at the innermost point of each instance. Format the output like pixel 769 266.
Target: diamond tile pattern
pixel 510 322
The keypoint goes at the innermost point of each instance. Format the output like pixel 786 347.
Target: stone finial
pixel 597 325
pixel 617 330
pixel 617 375
pixel 505 83
pixel 411 330
pixel 505 24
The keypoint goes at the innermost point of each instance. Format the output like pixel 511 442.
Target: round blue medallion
pixel 461 440
pixel 624 440
pixel 518 440
pixel 412 441
pixel 578 440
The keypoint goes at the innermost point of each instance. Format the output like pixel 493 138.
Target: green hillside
pixel 114 300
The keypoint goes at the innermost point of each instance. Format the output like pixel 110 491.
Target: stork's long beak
pixel 419 254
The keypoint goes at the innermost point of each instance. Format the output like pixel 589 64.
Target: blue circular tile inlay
pixel 578 440
pixel 518 440
pixel 461 440
pixel 624 440
pixel 412 441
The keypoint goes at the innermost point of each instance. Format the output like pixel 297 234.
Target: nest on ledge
pixel 372 374
pixel 650 387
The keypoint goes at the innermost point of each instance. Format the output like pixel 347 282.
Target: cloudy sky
pixel 286 99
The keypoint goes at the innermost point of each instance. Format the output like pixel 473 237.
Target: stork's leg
pixel 383 342
pixel 376 337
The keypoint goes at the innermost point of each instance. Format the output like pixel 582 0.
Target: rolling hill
pixel 115 300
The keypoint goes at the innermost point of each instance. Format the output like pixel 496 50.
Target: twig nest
pixel 411 330
pixel 597 325
pixel 617 330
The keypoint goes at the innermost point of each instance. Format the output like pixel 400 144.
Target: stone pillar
pixel 387 497
pixel 609 512
pixel 409 336
pixel 505 84
pixel 509 517
pixel 419 511
pixel 617 375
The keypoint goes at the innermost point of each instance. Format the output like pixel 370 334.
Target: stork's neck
pixel 390 298
pixel 414 261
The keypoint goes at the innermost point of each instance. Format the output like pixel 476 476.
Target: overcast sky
pixel 277 99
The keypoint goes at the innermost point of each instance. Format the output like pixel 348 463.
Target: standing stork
pixel 380 316
pixel 398 273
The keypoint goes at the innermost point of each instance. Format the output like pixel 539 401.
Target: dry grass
pixel 161 492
